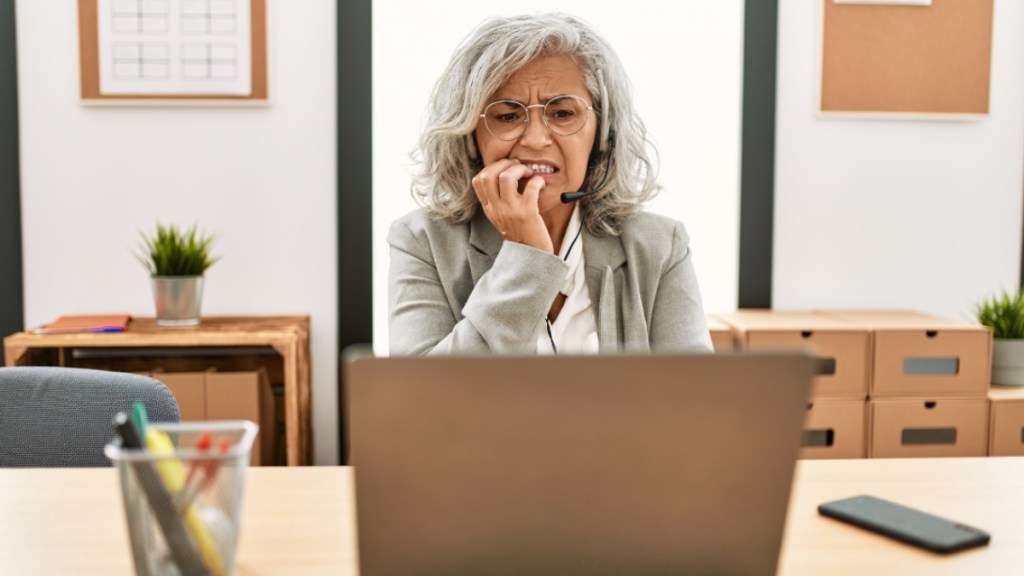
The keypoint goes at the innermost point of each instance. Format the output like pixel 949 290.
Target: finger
pixel 531 191
pixel 485 183
pixel 521 216
pixel 509 180
pixel 479 183
pixel 491 171
pixel 485 186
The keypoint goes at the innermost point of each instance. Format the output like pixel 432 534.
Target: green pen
pixel 139 417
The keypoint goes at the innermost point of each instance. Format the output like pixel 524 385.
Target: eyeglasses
pixel 564 115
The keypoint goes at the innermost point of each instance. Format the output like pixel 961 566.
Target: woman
pixel 531 239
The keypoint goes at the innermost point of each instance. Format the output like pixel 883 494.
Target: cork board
pixel 907 59
pixel 89 51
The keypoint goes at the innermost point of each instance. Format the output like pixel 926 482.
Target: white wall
pixel 685 59
pixel 263 179
pixel 923 215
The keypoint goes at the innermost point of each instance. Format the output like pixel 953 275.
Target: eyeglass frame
pixel 544 117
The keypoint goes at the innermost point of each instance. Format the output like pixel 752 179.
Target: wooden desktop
pixel 302 520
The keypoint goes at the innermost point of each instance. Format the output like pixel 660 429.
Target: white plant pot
pixel 1008 362
pixel 178 299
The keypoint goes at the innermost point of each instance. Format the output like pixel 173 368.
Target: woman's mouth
pixel 542 168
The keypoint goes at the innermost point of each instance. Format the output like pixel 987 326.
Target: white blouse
pixel 575 329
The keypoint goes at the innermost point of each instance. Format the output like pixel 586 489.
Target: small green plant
pixel 1004 314
pixel 176 252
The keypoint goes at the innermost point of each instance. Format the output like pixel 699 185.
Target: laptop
pixel 574 464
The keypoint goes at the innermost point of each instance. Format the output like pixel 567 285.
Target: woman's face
pixel 562 160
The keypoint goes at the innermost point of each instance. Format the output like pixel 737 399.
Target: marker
pixel 129 433
pixel 195 479
pixel 139 418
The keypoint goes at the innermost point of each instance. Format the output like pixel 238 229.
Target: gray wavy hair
pixel 483 62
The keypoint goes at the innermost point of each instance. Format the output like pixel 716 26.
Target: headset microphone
pixel 568 197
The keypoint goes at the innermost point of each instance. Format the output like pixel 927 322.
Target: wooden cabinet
pixel 280 344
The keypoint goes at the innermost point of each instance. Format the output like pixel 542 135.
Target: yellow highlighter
pixel 173 474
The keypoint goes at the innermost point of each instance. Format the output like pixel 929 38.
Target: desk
pixel 301 520
pixel 59 521
pixel 984 492
pixel 287 335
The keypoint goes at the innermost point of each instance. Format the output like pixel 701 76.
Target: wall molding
pixel 12 306
pixel 355 189
pixel 757 153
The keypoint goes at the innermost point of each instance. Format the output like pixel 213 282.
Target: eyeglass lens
pixel 564 115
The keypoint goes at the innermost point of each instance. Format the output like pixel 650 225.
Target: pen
pixel 201 475
pixel 128 432
pixel 214 466
pixel 139 417
pixel 202 446
pixel 107 329
pixel 194 480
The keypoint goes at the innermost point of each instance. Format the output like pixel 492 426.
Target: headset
pixel 602 154
pixel 604 145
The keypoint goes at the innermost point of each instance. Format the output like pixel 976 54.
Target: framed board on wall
pixel 173 52
pixel 906 58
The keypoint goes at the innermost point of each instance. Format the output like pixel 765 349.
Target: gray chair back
pixel 61 417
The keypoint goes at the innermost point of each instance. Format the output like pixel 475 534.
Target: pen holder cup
pixel 183 496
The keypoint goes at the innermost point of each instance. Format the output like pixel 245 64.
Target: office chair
pixel 61 417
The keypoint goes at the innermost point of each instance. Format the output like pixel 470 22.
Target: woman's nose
pixel 537 133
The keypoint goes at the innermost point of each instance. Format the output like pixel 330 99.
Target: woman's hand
pixel 508 192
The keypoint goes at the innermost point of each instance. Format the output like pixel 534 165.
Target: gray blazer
pixel 458 288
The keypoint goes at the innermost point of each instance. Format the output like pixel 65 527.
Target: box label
pixel 928 436
pixel 931 366
pixel 819 438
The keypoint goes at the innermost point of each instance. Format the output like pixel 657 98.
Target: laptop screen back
pixel 574 465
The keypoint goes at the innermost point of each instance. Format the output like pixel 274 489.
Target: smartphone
pixel 905 524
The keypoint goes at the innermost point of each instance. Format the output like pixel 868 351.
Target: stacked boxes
pixel 894 383
pixel 835 426
pixel 1006 433
pixel 213 395
pixel 929 385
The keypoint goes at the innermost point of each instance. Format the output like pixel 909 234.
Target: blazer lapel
pixel 603 257
pixel 484 244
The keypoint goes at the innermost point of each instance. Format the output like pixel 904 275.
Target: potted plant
pixel 176 260
pixel 1004 315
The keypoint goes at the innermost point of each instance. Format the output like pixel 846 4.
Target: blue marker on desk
pixel 107 329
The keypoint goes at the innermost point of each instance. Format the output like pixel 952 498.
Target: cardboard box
pixel 721 334
pixel 189 389
pixel 1006 434
pixel 844 347
pixel 244 396
pixel 835 429
pixel 213 395
pixel 928 427
pixel 922 356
